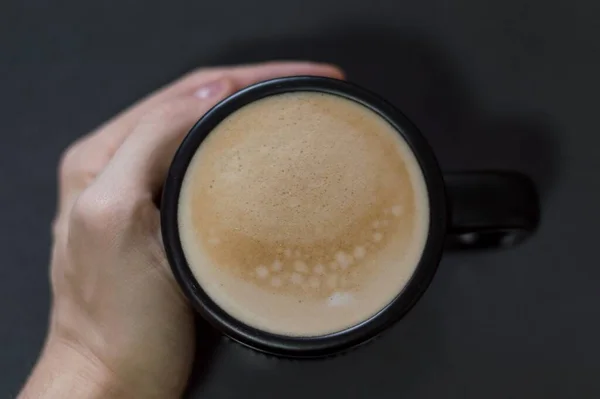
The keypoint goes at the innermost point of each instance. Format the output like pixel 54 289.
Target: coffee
pixel 303 214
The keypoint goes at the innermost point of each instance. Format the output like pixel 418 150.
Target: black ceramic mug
pixel 466 210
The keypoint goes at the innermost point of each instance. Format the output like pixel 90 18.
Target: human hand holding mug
pixel 119 325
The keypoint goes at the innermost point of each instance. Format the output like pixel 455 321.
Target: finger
pixel 240 76
pixel 94 151
pixel 246 75
pixel 141 163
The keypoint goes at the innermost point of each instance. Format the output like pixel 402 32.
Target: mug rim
pixel 308 346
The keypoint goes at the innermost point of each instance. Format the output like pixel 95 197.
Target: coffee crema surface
pixel 303 214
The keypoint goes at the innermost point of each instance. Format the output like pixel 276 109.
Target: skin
pixel 119 325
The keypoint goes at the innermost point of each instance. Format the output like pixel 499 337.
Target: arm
pixel 120 327
pixel 64 372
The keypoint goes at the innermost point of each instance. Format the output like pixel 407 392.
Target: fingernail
pixel 210 89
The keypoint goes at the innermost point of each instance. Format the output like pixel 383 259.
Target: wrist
pixel 64 371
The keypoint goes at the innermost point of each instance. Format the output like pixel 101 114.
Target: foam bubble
pixel 287 253
pixel 319 269
pixel 397 210
pixel 277 266
pixel 343 259
pixel 340 299
pixel 377 237
pixel 360 252
pixel 296 278
pixel 376 224
pixel 262 272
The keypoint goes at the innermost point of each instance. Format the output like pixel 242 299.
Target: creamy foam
pixel 303 214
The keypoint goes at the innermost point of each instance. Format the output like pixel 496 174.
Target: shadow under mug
pixel 467 210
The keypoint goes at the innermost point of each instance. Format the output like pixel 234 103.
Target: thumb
pixel 141 163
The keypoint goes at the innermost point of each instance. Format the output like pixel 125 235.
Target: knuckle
pixel 58 227
pixel 90 211
pixel 100 213
pixel 75 176
pixel 67 160
pixel 77 163
pixel 95 213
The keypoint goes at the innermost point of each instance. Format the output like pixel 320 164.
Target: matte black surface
pixel 490 209
pixel 492 84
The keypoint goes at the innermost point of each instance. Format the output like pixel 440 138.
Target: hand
pixel 120 327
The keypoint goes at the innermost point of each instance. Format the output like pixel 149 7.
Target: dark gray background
pixel 503 83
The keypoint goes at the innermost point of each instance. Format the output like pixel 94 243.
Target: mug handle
pixel 490 209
